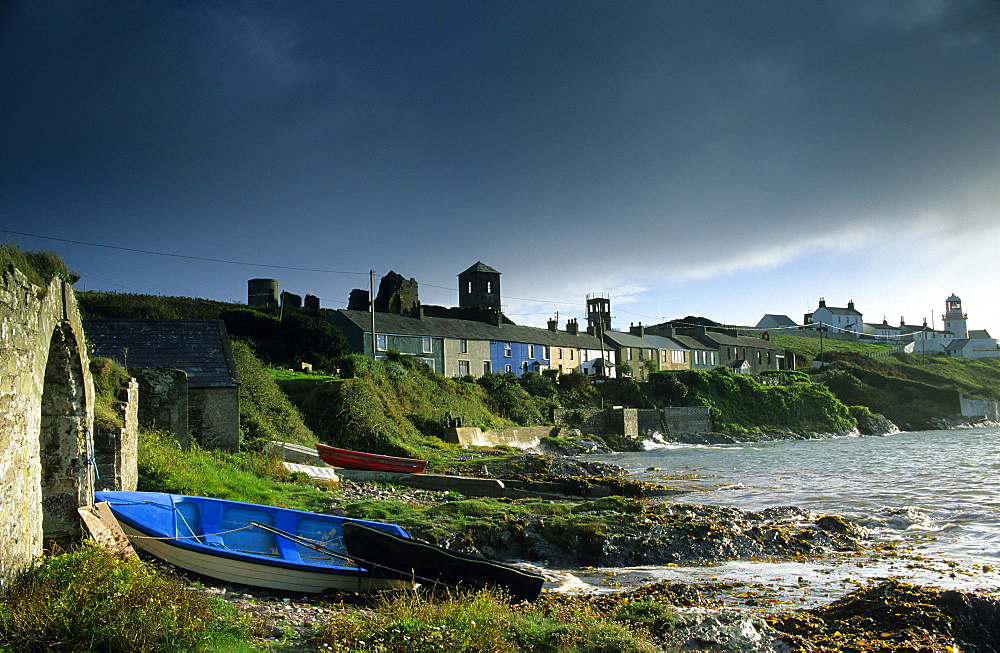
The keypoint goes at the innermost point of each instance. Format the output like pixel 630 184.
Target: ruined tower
pixel 598 315
pixel 479 287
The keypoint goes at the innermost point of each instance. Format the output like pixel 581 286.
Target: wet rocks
pixel 897 616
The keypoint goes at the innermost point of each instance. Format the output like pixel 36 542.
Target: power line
pixel 187 256
pixel 268 265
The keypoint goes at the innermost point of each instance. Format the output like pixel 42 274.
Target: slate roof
pixel 199 347
pixel 723 339
pixel 481 267
pixel 777 320
pixel 623 339
pixel 393 323
pixel 662 342
pixel 690 343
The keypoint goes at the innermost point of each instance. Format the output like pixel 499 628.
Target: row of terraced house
pixel 477 339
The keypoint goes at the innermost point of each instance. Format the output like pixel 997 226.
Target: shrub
pixel 109 379
pixel 91 599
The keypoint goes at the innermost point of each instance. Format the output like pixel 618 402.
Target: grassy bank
pixel 91 599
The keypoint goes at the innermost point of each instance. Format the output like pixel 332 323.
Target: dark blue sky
pixel 726 159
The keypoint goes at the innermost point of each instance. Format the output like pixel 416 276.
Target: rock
pixel 725 631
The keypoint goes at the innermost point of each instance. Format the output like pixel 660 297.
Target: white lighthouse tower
pixel 954 318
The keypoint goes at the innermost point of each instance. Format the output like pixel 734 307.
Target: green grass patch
pixel 254 477
pixel 742 404
pixel 806 348
pixel 266 413
pixel 485 621
pixel 91 599
pixel 39 267
pixel 586 521
pixel 395 407
pixel 109 380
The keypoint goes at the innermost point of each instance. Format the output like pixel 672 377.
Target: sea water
pixel 933 494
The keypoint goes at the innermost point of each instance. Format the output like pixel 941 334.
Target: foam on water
pixel 931 493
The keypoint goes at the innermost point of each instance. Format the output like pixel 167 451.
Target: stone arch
pixel 64 437
pixel 46 418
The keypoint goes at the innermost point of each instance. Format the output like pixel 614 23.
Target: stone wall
pixel 214 417
pixel 163 401
pixel 980 408
pixel 522 437
pixel 609 421
pixel 693 419
pixel 46 418
pixel 630 423
pixel 116 450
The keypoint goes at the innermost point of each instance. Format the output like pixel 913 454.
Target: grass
pixel 586 523
pixel 109 379
pixel 485 621
pixel 806 348
pixel 91 599
pixel 39 267
pixel 266 413
pixel 254 477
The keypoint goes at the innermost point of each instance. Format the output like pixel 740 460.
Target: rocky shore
pixel 884 616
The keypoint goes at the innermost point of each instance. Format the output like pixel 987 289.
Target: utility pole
pixel 371 308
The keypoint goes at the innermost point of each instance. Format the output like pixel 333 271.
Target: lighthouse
pixel 955 318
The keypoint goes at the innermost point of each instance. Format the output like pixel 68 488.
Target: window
pixel 382 341
pixel 571 354
pixel 426 345
pixel 560 354
pixel 676 356
pixel 489 286
pixel 487 368
pixel 547 353
pixel 506 351
pixel 463 368
pixel 531 351
pixel 508 369
pixel 524 366
pixel 430 363
pixel 463 346
pixel 468 288
pixel 629 350
pixel 712 357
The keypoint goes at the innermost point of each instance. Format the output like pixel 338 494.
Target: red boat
pixel 372 462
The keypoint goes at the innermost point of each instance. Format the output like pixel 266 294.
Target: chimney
pixel 925 322
pixel 822 302
pixel 850 305
pixel 572 326
pixel 553 324
pixel 902 322
pixel 498 316
pixel 637 330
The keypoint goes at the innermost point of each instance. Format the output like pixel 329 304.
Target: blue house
pixel 518 357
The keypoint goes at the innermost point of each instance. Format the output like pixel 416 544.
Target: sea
pixel 932 495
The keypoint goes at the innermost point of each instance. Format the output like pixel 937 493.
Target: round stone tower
pixel 955 318
pixel 262 292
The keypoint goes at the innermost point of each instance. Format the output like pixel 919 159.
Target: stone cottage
pixel 181 361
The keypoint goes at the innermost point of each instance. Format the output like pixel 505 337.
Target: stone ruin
pixel 48 449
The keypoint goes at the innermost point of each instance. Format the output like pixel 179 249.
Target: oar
pixel 310 544
pixel 336 554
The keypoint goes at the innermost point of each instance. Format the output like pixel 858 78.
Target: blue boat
pixel 250 544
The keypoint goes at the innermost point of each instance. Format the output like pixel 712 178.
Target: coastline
pixel 883 614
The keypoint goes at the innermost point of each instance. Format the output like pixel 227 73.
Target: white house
pixel 831 318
